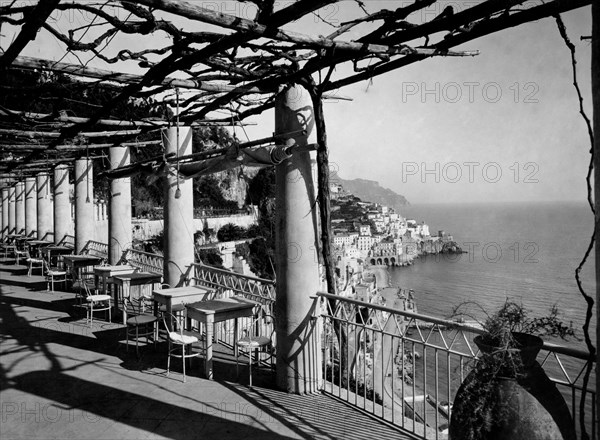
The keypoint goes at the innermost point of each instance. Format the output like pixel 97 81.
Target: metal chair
pixel 139 324
pixel 95 302
pixel 179 340
pixel 53 275
pixel 259 336
pixel 34 263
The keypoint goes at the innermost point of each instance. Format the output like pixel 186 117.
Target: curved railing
pixel 95 249
pixel 257 289
pixel 225 284
pixel 406 367
pixel 144 261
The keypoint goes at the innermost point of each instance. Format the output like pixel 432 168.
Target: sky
pixel 501 126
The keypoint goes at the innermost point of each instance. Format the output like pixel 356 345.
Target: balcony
pixel 62 379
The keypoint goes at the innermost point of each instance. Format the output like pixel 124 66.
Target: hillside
pixel 370 190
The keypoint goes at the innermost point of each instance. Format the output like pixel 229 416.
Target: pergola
pixel 220 68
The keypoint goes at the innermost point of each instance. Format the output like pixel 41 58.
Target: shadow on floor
pixel 94 400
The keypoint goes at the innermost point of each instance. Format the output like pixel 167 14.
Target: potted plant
pixel 507 395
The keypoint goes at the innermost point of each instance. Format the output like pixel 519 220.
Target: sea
pixel 527 252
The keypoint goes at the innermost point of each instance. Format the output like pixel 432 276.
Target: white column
pixel 298 361
pixel 178 210
pixel 12 211
pixel 30 206
pixel 84 203
pixel 20 207
pixel 62 204
pixel 5 222
pixel 45 218
pixel 120 234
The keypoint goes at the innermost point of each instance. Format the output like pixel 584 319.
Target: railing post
pixel 120 234
pixel 296 239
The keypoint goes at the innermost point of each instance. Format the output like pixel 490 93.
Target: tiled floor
pixel 61 379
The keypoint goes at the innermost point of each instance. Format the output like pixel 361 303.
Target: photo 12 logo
pixel 471 172
pixel 469 92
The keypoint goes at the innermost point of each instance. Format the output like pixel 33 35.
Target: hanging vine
pixel 588 299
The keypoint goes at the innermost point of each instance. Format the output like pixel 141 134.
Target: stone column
pixel 178 211
pixel 5 222
pixel 296 228
pixel 45 220
pixel 119 218
pixel 20 207
pixel 31 206
pixel 62 204
pixel 12 211
pixel 84 203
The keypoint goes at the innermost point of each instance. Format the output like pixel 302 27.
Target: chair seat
pixel 141 319
pixel 178 338
pixel 98 298
pixel 35 260
pixel 255 342
pixel 57 273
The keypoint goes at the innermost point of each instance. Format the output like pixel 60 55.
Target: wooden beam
pixel 194 12
pixel 34 21
pixel 125 78
pixel 54 134
pixel 110 122
pixel 37 147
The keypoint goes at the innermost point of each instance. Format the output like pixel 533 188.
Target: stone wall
pixel 144 229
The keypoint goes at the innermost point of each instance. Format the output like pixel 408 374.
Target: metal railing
pixel 144 261
pixel 226 284
pixel 406 368
pixel 95 249
pixel 68 240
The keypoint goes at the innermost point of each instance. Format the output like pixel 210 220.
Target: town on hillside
pixel 372 234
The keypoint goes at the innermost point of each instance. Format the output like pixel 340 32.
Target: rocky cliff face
pixel 370 190
pixel 233 183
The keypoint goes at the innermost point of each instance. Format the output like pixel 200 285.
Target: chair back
pixel 136 306
pixel 263 325
pixel 178 321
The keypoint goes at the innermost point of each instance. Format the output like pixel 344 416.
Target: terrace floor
pixel 61 379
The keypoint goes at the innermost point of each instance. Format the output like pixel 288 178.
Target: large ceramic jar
pixel 509 396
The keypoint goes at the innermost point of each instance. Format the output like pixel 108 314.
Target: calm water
pixel 527 252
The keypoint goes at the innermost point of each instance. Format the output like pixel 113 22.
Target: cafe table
pixel 124 283
pixel 108 271
pixel 218 310
pixel 36 245
pixel 74 264
pixel 55 252
pixel 179 295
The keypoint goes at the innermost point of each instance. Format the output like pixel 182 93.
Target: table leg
pixel 169 321
pixel 235 335
pixel 125 289
pixel 208 366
